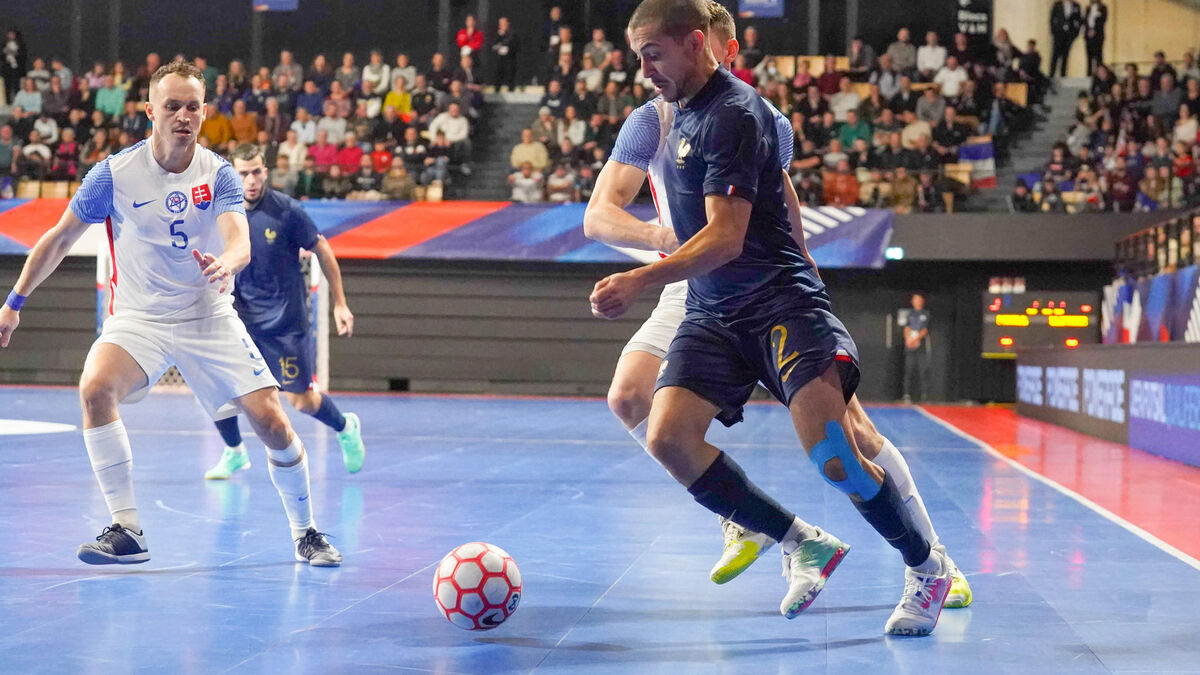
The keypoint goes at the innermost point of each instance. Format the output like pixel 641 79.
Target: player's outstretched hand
pixel 344 320
pixel 614 295
pixel 8 323
pixel 213 268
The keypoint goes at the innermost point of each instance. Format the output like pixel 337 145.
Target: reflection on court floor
pixel 614 554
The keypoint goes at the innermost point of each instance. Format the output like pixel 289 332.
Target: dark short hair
pixel 247 152
pixel 676 18
pixel 180 68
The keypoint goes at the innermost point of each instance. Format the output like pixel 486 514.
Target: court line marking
pixel 1132 528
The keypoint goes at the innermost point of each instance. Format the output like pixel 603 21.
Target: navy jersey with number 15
pixel 725 142
pixel 270 292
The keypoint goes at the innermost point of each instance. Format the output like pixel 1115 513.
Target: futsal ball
pixel 477 586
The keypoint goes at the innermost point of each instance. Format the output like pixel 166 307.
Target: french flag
pixel 981 155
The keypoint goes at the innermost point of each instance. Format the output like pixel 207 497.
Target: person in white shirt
pixel 294 149
pixel 458 132
pixel 376 72
pixel 845 100
pixel 178 234
pixel 951 78
pixel 930 57
pixel 304 126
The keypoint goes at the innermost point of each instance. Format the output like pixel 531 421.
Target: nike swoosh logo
pixel 304 498
pixel 489 620
pixel 259 372
pixel 138 206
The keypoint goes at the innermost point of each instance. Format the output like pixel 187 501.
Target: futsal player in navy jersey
pixel 269 295
pixel 756 311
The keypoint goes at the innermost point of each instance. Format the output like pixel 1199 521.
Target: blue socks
pixel 230 433
pixel 887 514
pixel 329 415
pixel 724 489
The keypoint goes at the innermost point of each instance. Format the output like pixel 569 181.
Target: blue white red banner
pixel 981 155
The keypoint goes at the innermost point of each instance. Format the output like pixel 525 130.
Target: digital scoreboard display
pixel 1040 319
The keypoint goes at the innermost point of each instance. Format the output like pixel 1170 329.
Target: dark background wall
pixel 473 327
pixel 222 30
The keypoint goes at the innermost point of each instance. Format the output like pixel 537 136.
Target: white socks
pixel 798 532
pixel 892 462
pixel 239 449
pixel 289 472
pixel 112 462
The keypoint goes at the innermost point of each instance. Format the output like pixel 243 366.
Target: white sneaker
pixel 742 548
pixel 806 570
pixel 960 589
pixel 921 604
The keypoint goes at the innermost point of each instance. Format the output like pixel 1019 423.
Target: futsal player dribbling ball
pixel 641 153
pixel 756 310
pixel 178 233
pixel 269 296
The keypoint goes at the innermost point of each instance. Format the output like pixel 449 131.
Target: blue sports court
pixel 614 555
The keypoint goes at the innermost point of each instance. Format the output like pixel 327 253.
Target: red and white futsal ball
pixel 477 586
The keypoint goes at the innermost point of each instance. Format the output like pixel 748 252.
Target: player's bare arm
pixel 45 257
pixel 606 219
pixel 716 244
pixel 342 316
pixel 235 231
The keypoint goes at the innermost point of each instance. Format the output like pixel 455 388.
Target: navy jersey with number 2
pixel 764 316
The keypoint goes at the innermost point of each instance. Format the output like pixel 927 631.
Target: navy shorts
pixel 290 357
pixel 785 350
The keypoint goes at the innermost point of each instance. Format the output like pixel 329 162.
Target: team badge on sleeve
pixel 201 197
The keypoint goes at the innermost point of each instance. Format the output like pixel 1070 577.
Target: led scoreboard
pixel 1043 319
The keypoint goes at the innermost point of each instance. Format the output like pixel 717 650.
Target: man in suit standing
pixel 1094 19
pixel 1066 20
pixel 916 356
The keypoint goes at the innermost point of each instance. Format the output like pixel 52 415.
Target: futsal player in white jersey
pixel 178 234
pixel 639 154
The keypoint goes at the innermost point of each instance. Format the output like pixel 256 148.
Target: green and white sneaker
pixel 232 460
pixel 806 570
pixel 350 438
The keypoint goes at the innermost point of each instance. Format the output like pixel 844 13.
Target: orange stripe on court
pixel 394 232
pixel 27 223
pixel 1159 495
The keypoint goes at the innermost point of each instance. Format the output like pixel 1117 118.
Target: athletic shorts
pixel 655 335
pixel 290 357
pixel 214 354
pixel 785 350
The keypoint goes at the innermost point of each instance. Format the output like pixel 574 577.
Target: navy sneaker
pixel 116 545
pixel 315 550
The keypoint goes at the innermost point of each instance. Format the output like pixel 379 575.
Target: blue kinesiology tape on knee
pixel 835 446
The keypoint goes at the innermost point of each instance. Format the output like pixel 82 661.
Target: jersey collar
pixel 707 92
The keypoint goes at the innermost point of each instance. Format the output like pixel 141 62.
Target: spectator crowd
pixel 875 128
pixel 372 130
pixel 1132 145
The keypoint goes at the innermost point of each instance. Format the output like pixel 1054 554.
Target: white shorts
pixel 214 354
pixel 655 335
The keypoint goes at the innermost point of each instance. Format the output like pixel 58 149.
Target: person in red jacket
pixel 469 39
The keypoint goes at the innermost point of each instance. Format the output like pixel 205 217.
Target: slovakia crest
pixel 201 197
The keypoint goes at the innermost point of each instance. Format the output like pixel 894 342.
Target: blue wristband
pixel 15 301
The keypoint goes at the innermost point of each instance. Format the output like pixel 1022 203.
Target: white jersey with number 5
pixel 154 220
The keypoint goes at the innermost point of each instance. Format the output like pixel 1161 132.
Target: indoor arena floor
pixel 1082 554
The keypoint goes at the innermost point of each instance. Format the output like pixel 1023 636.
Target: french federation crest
pixel 202 197
pixel 684 150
